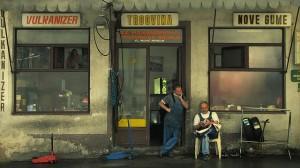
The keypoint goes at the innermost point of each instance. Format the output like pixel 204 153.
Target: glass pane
pixel 233 57
pixel 259 89
pixel 163 66
pixel 38 36
pixel 246 35
pixel 132 66
pixel 265 57
pixel 51 91
pixel 33 57
pixel 227 56
pixel 70 58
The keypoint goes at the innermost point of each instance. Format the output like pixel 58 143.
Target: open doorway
pixel 149 72
pixel 163 73
pixel 148 62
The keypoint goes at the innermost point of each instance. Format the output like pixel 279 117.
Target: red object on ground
pixel 51 158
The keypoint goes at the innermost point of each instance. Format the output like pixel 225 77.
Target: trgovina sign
pixel 149 19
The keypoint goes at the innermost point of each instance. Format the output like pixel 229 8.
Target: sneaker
pixel 206 157
pixel 163 154
pixel 171 155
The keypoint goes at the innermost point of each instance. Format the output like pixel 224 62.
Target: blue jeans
pixel 205 140
pixel 171 137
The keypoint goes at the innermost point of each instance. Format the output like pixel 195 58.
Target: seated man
pixel 207 125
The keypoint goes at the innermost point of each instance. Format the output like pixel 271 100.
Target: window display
pixel 51 77
pixel 246 68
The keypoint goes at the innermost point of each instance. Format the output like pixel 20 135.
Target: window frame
pixel 50 69
pixel 211 62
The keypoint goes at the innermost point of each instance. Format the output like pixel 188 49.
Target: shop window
pixel 243 35
pixel 230 89
pixel 265 57
pixel 52 76
pixel 244 72
pixel 229 56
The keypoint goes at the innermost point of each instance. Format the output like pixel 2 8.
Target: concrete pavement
pixel 174 162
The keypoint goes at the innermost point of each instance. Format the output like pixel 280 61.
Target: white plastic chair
pixel 217 142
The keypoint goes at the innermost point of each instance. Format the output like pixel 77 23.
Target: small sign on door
pixel 295 75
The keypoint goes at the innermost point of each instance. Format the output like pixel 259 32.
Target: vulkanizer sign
pixel 3 61
pixel 51 19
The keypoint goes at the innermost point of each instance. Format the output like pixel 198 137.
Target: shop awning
pixel 52 5
pixel 140 5
pixel 154 5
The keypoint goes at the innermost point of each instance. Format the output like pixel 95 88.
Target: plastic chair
pixel 217 142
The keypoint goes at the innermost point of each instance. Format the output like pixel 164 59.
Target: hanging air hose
pixel 114 88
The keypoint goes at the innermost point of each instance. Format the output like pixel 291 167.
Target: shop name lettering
pixel 2 65
pixel 154 20
pixel 52 20
pixel 257 19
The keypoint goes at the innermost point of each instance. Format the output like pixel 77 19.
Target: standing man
pixel 207 126
pixel 174 105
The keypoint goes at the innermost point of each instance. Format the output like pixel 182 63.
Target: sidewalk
pixel 175 162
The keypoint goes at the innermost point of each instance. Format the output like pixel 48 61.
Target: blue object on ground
pixel 123 154
pixel 118 155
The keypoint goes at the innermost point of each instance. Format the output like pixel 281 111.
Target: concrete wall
pixel 25 136
pixel 277 129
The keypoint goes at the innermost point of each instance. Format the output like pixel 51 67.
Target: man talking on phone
pixel 174 105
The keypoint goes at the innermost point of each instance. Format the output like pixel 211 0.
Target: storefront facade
pixel 44 71
pixel 232 63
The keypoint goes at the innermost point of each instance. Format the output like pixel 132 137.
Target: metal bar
pixel 292 40
pixel 288 136
pixel 289 127
pixel 8 48
pixel 241 136
pixel 52 142
pixel 267 142
pixel 262 108
pixel 214 25
pixel 212 39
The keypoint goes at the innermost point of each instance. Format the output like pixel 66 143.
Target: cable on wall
pixel 96 31
pixel 292 40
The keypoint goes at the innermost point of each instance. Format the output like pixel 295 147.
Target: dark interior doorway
pixel 163 73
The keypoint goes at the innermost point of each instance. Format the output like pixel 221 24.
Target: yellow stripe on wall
pixel 133 123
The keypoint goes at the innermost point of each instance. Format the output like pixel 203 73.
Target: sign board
pixel 262 19
pixel 149 19
pixel 51 19
pixel 297 48
pixel 4 66
pixel 149 36
pixel 295 75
